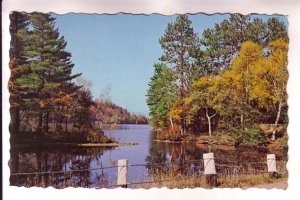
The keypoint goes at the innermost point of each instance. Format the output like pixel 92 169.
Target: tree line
pixel 43 90
pixel 233 76
pixel 107 112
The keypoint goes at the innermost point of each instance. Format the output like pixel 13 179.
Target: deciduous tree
pixel 270 80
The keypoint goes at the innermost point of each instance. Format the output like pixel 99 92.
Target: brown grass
pixel 180 181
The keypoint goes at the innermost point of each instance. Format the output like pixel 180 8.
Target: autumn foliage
pixel 236 79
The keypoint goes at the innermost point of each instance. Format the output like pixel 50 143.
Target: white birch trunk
pixel 209 120
pixel 171 122
pixel 276 121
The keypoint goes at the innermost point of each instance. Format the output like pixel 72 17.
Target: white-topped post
pixel 271 161
pixel 209 163
pixel 122 172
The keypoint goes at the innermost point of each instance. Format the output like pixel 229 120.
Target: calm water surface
pixel 81 167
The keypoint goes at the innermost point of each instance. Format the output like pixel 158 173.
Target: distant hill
pixel 109 113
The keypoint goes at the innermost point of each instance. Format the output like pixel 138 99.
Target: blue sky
pixel 120 50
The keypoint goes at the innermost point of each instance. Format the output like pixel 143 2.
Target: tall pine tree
pixel 50 76
pixel 18 30
pixel 180 45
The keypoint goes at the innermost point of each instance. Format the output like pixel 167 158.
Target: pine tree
pixel 161 96
pixel 50 67
pixel 223 42
pixel 18 30
pixel 180 45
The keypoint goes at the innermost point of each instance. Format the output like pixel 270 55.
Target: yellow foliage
pixel 176 112
pixel 42 103
pixel 270 76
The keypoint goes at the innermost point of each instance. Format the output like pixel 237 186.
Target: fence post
pixel 122 173
pixel 210 169
pixel 271 162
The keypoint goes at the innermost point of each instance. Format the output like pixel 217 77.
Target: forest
pixel 228 84
pixel 46 98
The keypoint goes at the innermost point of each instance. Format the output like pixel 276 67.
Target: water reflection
pixel 187 158
pixel 58 168
pixel 96 167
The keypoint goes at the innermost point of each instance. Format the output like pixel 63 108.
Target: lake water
pixel 97 167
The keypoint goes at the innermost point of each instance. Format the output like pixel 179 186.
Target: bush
pixel 280 142
pixel 96 137
pixel 172 134
pixel 250 136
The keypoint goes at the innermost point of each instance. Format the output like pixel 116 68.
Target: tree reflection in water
pixel 63 167
pixel 81 167
pixel 186 159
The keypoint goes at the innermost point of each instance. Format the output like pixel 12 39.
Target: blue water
pixel 91 161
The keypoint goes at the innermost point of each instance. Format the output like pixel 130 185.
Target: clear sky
pixel 120 50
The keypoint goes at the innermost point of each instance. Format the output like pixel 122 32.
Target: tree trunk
pixel 66 124
pixel 242 120
pixel 40 121
pixel 276 121
pixel 15 122
pixel 171 121
pixel 182 128
pixel 209 126
pixel 47 121
pixel 209 120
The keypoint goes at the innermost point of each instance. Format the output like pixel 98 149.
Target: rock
pixel 268 129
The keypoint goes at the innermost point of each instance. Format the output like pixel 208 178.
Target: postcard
pixel 107 99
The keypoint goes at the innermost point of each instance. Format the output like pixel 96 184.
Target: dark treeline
pixel 233 76
pixel 41 86
pixel 44 94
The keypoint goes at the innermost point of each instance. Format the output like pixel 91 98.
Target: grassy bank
pixel 254 136
pixel 178 180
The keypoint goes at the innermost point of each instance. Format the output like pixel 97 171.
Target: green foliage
pixel 18 29
pixel 29 81
pixel 224 41
pixel 181 47
pixel 41 84
pixel 161 95
pixel 280 143
pixel 250 136
pixel 237 79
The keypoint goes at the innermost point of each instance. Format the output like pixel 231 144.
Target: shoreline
pixel 83 145
pixel 216 143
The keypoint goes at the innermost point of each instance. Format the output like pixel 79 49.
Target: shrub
pixel 250 136
pixel 96 137
pixel 172 134
pixel 280 142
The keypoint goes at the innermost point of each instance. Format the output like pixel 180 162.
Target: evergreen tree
pixel 18 30
pixel 181 45
pixel 50 67
pixel 161 96
pixel 224 41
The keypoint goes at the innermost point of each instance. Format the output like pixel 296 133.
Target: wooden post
pixel 122 173
pixel 210 169
pixel 209 163
pixel 271 162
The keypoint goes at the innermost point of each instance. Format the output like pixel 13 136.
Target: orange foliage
pixel 170 134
